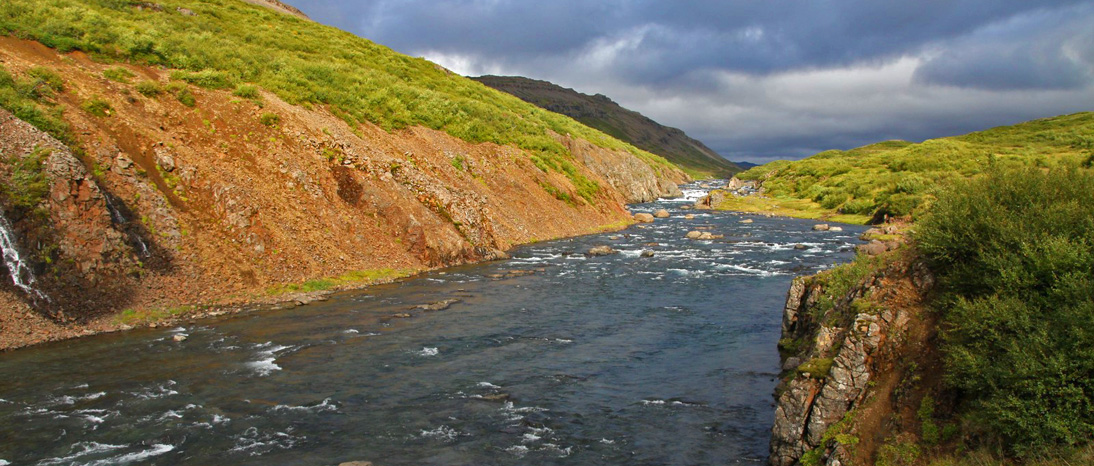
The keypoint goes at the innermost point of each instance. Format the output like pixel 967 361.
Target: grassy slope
pixel 602 113
pixel 899 178
pixel 228 42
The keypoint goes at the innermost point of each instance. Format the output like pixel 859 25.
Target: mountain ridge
pixel 601 112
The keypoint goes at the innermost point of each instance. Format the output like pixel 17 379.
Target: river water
pixel 548 358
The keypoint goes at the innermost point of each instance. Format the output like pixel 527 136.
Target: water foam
pixel 156 450
pixel 427 352
pixel 18 269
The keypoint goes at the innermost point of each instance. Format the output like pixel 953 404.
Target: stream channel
pixel 550 357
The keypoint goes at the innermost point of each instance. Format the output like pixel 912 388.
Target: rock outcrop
pixel 835 343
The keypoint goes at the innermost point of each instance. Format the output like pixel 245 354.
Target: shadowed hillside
pixel 600 112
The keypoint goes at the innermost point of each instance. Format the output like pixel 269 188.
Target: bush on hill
pixel 1014 251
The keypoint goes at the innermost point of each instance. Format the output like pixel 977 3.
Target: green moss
pixel 27 187
pixel 350 278
pixel 818 368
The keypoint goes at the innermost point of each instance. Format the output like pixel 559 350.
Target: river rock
pixel 689 217
pixel 694 234
pixel 800 246
pixel 706 235
pixel 179 338
pixel 821 227
pixel 643 217
pixel 747 220
pixel 600 251
pixel 835 228
pixel 872 248
pixel 646 253
pixel 661 214
pixel 437 306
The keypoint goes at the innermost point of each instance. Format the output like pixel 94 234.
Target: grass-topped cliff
pixel 899 178
pixel 968 342
pixel 228 44
pixel 159 157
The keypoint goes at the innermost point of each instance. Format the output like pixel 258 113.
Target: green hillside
pixel 600 112
pixel 900 178
pixel 229 43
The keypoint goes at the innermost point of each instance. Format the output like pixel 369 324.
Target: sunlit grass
pixel 899 178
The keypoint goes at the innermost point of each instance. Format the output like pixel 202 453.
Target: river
pixel 551 357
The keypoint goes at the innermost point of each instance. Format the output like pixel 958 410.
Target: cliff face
pixel 602 113
pixel 852 362
pixel 166 204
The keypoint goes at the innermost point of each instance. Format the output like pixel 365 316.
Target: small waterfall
pixel 119 219
pixel 20 271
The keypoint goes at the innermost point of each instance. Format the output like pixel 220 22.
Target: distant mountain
pixel 746 165
pixel 600 112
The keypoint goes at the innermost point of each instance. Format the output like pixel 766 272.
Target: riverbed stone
pixel 600 251
pixel 662 213
pixel 643 217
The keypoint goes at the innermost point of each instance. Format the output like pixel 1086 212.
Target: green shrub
pixel 246 91
pixel 1014 252
pixel 207 78
pixel 46 81
pixel 97 107
pixel 149 88
pixel 186 97
pixel 118 74
pixel 19 97
pixel 270 119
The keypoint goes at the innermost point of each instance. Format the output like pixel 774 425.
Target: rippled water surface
pixel 549 358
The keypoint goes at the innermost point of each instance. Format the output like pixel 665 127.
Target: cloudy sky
pixel 764 79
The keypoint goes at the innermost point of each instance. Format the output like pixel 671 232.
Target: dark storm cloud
pixel 761 79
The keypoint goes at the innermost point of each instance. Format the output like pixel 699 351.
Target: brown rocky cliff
pixel 229 206
pixel 844 360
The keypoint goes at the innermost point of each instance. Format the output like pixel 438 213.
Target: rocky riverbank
pixel 856 359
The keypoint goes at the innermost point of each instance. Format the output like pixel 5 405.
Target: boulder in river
pixel 694 234
pixel 600 251
pixel 689 217
pixel 437 306
pixel 643 217
pixel 800 246
pixel 835 228
pixel 821 227
pixel 646 253
pixel 747 220
pixel 661 214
